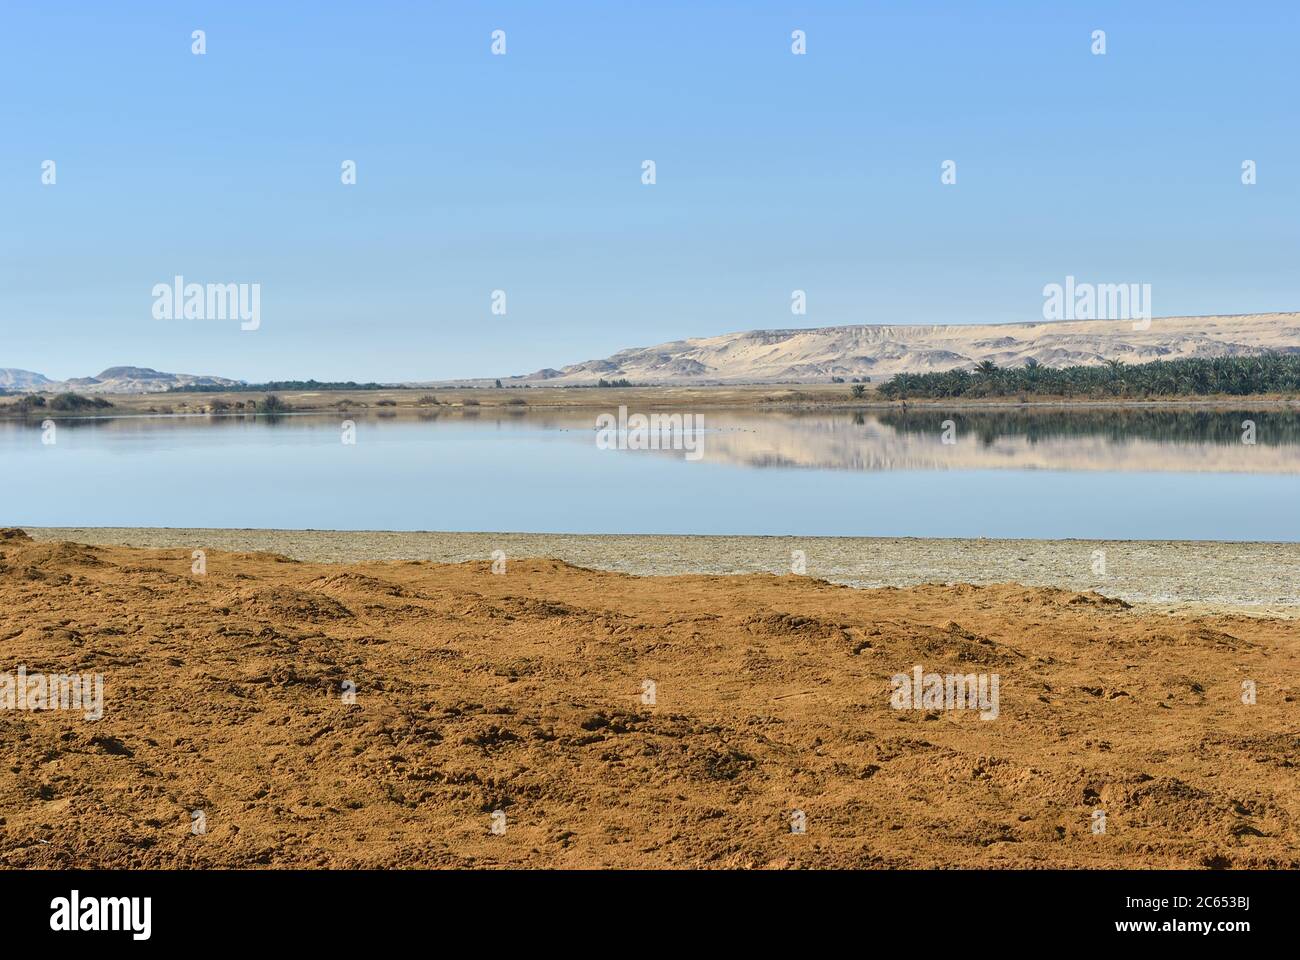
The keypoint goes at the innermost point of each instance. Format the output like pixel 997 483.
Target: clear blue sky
pixel 522 172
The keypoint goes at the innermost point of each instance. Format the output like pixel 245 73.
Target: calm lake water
pixel 1089 474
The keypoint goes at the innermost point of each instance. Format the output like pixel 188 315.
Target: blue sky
pixel 523 173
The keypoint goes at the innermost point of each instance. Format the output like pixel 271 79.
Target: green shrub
pixel 66 402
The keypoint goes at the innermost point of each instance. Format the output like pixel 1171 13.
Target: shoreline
pixel 520 400
pixel 1172 576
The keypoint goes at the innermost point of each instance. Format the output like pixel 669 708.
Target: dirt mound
pixel 285 604
pixel 517 608
pixel 390 715
pixel 58 556
pixel 951 644
pixel 791 625
pixel 535 609
pixel 1016 593
pixel 356 584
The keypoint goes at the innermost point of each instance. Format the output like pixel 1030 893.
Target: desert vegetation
pixel 59 403
pixel 272 404
pixel 1269 373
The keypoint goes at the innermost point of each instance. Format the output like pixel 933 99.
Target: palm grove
pixel 1232 376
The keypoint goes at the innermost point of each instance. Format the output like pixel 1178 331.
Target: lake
pixel 1093 474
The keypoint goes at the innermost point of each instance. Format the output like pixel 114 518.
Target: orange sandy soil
pixel 522 692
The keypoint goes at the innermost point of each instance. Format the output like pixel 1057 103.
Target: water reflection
pixel 1194 441
pixel 1141 474
pixel 1094 440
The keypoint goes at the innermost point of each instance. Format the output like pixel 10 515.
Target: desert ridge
pixel 878 351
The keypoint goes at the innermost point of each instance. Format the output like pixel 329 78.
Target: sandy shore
pixel 392 714
pixel 1189 576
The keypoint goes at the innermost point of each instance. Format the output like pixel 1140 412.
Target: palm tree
pixel 1236 376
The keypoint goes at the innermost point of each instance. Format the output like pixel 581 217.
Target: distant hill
pixel 112 380
pixel 12 379
pixel 880 351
